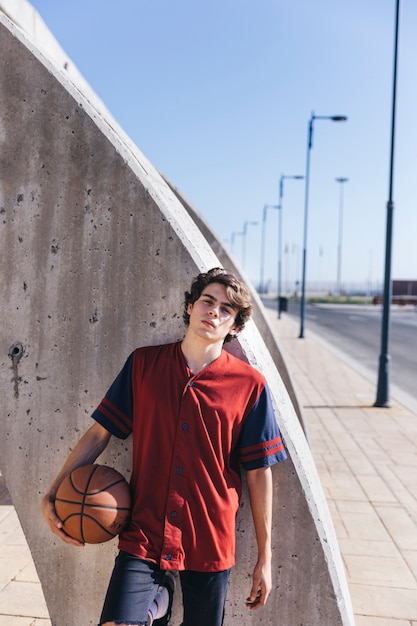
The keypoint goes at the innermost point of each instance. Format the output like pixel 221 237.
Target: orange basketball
pixel 93 502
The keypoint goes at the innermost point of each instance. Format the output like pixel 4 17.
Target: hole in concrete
pixel 16 350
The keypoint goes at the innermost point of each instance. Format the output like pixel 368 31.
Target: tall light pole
pixel 244 233
pixel 340 241
pixel 232 241
pixel 382 396
pixel 264 215
pixel 333 118
pixel 281 196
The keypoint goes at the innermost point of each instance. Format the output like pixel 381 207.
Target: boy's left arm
pixel 259 483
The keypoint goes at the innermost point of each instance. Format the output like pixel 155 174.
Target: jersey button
pixel 185 426
pixel 179 470
pixel 168 557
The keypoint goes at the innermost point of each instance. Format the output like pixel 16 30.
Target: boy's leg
pixel 133 585
pixel 160 609
pixel 204 597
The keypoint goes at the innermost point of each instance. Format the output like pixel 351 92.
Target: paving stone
pixel 359 506
pixel 10 620
pixel 362 620
pixel 407 474
pixel 375 488
pixel 411 558
pixel 401 527
pixel 368 548
pixel 385 571
pixel 11 566
pixel 23 599
pixel 11 532
pixel 383 602
pixel 358 462
pixel 28 574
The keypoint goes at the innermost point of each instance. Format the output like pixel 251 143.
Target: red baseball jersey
pixel 191 434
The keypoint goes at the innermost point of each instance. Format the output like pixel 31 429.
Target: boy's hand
pixel 261 586
pixel 53 521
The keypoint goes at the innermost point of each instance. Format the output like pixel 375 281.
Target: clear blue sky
pixel 218 96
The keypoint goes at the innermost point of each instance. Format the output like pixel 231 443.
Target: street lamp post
pixel 333 118
pixel 339 246
pixel 232 241
pixel 382 397
pixel 244 233
pixel 263 245
pixel 281 196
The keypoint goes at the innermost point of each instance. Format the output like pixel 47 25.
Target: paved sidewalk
pixel 21 598
pixel 367 461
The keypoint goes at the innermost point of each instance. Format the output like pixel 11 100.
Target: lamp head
pixel 338 118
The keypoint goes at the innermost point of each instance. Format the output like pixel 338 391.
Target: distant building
pixel 404 287
pixel 403 292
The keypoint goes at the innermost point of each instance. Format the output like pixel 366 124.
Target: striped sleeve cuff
pixel 114 420
pixel 263 454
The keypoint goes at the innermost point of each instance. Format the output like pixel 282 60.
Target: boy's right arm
pixel 89 447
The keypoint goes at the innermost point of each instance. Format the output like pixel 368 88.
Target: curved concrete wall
pixel 96 254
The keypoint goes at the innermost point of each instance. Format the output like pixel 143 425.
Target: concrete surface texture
pixel 96 253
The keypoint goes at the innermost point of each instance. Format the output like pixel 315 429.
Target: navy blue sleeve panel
pixel 115 411
pixel 260 441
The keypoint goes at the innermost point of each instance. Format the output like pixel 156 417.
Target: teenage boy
pixel 196 415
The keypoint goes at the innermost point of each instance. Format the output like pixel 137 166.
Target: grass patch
pixel 338 299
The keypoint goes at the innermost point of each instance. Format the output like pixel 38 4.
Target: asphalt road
pixel 355 330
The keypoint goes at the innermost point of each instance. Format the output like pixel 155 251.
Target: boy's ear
pixel 189 308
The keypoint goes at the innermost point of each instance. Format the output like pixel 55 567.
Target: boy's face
pixel 212 316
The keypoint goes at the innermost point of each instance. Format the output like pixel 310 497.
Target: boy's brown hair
pixel 237 293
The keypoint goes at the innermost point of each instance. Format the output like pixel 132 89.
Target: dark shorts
pixel 134 583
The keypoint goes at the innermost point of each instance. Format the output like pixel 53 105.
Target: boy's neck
pixel 199 354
